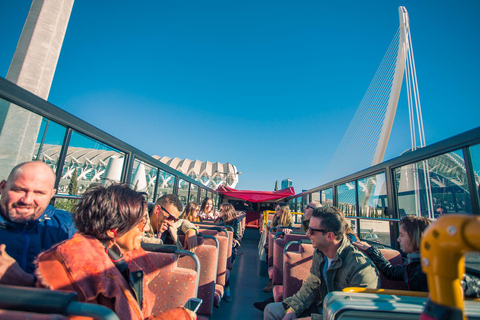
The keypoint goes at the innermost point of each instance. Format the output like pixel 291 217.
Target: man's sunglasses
pixel 170 217
pixel 320 230
pixel 309 206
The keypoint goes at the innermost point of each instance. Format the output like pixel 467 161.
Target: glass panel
pixel 89 161
pixel 165 184
pixel 376 231
pixel 194 193
pixel 291 204
pixel 316 196
pixel 203 194
pixel 347 198
pixel 475 155
pixel 183 187
pixel 143 178
pixel 327 197
pixel 372 196
pixel 438 182
pixel 303 203
pixel 353 224
pixel 49 143
pixel 214 199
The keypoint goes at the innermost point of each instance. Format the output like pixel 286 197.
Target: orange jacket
pixel 81 265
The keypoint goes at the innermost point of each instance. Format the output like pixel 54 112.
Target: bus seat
pixel 24 303
pixel 229 248
pixel 173 286
pixel 278 255
pixel 21 315
pixel 208 256
pixel 395 258
pixel 222 238
pixel 296 267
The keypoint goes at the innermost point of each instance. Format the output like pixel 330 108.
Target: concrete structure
pixel 32 68
pixel 211 174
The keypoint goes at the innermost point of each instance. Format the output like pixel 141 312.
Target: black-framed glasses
pixel 320 230
pixel 309 206
pixel 170 217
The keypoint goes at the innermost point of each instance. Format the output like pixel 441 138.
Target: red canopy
pixel 256 196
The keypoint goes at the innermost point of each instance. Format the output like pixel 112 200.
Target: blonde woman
pixel 283 217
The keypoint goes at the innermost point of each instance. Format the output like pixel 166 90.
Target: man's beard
pixel 19 218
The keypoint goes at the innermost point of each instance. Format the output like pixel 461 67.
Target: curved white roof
pixel 211 174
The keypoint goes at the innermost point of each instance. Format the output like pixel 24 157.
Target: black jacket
pixel 411 272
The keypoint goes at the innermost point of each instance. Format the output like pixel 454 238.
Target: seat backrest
pixel 21 315
pixel 229 249
pixel 395 258
pixel 271 237
pixel 208 256
pixel 222 253
pixel 296 267
pixel 173 286
pixel 278 247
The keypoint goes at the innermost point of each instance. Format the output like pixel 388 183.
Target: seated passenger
pixel 228 216
pixel 207 211
pixel 28 224
pixel 165 224
pixel 282 217
pixel 104 262
pixel 336 265
pixel 411 231
pixel 307 214
pixel 191 212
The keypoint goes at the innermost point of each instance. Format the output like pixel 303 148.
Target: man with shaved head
pixel 28 224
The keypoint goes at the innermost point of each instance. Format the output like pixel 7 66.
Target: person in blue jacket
pixel 28 224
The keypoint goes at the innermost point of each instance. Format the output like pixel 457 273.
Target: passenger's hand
pixel 290 315
pixel 11 273
pixel 287 231
pixel 361 245
pixel 191 241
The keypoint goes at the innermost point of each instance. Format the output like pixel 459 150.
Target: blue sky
pixel 270 86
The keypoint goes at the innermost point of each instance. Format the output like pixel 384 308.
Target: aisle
pixel 245 284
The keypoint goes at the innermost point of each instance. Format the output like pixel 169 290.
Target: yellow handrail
pixel 265 217
pixel 387 291
pixel 443 251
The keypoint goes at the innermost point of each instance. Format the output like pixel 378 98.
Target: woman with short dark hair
pixel 99 261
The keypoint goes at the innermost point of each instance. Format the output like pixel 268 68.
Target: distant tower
pixel 32 68
pixel 286 183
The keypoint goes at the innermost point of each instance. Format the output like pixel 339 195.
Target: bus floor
pixel 245 283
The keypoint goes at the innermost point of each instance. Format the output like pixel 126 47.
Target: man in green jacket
pixel 336 265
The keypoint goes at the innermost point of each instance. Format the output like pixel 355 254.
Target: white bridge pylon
pixel 366 139
pixel 406 59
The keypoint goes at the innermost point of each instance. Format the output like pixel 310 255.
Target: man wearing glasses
pixel 166 224
pixel 307 214
pixel 336 264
